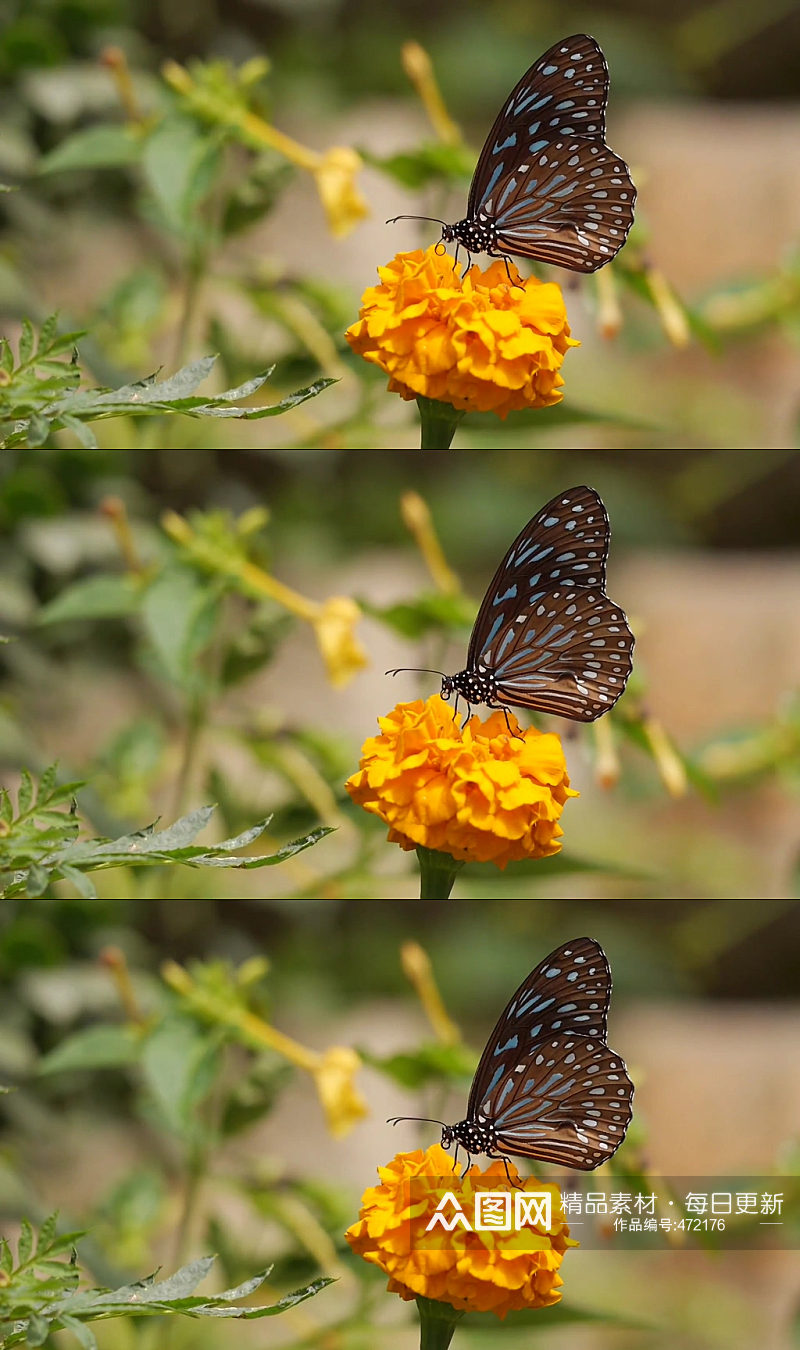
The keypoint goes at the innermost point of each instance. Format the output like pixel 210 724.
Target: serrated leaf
pixel 283 1304
pixel 46 1234
pixel 25 1243
pixel 6 357
pixel 100 1047
pixel 180 385
pixel 257 414
pixel 6 808
pixel 102 147
pixel 180 1285
pixel 25 794
pixel 46 335
pixel 100 597
pixel 46 783
pixel 26 342
pixel 6 1259
pixel 286 851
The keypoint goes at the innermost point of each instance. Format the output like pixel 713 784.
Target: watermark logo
pixel 494 1211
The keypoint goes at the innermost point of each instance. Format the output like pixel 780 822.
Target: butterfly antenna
pixel 395 1120
pixel 434 219
pixel 420 670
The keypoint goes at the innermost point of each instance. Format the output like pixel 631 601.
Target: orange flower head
pixel 477 792
pixel 481 342
pixel 481 1271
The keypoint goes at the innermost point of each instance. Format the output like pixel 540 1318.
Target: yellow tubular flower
pixel 479 342
pixel 488 1271
pixel 334 626
pixel 333 1074
pixel 476 792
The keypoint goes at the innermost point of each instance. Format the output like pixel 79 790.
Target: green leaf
pixel 46 1235
pixel 102 1047
pixel 430 1064
pixel 47 334
pixel 100 597
pixel 25 1243
pixel 82 433
pixel 38 430
pixel 25 793
pixel 179 162
pixel 83 1334
pixel 46 785
pixel 429 613
pixel 26 342
pixel 178 1286
pixel 434 162
pixel 170 608
pixel 176 1059
pixel 83 884
pixel 103 147
pixel 37 1330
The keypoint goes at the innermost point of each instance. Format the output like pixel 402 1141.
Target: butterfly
pixel 547 636
pixel 546 185
pixel 547 1085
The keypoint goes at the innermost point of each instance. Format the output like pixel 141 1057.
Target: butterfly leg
pixel 516 734
pixel 517 1186
pixel 519 284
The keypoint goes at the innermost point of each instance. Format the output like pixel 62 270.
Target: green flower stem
pixel 438 872
pixel 439 423
pixel 437 1322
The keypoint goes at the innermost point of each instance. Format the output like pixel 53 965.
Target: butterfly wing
pixel 547 104
pixel 569 991
pixel 567 1100
pixel 569 654
pixel 545 180
pixel 570 204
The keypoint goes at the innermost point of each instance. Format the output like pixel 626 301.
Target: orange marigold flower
pixel 478 342
pixel 489 1271
pixel 476 792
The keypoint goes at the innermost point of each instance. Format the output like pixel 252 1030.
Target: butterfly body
pixel 547 636
pixel 546 185
pixel 548 1086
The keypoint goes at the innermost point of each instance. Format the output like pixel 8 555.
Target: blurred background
pixel 151 212
pixel 140 1112
pixel 150 654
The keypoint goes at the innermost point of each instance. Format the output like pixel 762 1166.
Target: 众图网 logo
pixel 494 1210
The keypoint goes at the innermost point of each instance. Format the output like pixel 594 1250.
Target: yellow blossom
pixel 491 1271
pixel 335 174
pixel 479 342
pixel 334 625
pixel 335 170
pixel 333 1070
pixel 478 792
pixel 334 1073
